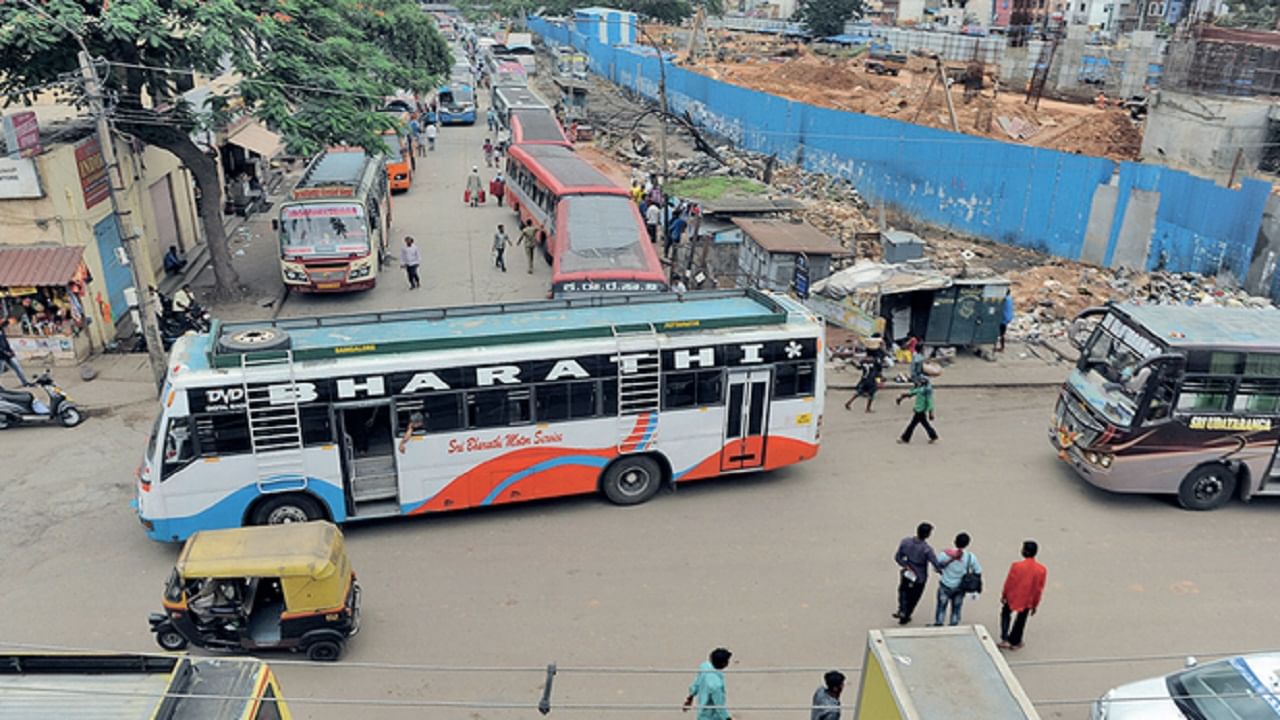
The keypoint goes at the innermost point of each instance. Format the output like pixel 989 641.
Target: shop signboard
pixel 22 134
pixel 95 183
pixel 19 179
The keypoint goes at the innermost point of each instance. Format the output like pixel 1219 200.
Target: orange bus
pixel 399 159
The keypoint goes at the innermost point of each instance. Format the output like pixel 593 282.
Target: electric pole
pixel 147 318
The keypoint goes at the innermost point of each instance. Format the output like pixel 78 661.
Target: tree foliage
pixel 316 70
pixel 824 18
pixel 1256 14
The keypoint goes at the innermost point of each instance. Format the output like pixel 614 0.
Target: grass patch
pixel 714 188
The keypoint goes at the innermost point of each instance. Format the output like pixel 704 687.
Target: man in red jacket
pixel 1023 587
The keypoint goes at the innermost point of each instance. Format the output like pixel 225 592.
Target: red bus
pixel 537 127
pixel 598 239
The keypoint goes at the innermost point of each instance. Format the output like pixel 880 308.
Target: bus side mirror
pixel 275 224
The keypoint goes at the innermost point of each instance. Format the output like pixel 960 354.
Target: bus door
pixel 368 457
pixel 746 416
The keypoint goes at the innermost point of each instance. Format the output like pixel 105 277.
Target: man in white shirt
pixel 410 259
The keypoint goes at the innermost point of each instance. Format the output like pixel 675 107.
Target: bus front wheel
pixel 1207 487
pixel 632 479
pixel 285 509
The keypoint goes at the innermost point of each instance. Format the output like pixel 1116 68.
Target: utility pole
pixel 150 330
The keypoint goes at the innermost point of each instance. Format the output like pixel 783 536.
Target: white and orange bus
pixel 335 224
pixel 423 411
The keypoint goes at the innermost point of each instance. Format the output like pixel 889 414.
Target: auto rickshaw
pixel 277 587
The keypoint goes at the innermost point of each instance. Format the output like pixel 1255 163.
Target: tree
pixel 824 18
pixel 316 70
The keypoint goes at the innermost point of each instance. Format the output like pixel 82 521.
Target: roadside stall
pixel 897 301
pixel 43 291
pixel 951 673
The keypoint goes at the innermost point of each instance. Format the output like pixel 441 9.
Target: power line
pixel 639 670
pixel 272 83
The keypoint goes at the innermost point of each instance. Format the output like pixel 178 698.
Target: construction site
pixel 967 97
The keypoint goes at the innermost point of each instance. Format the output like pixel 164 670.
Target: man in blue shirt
pixel 956 563
pixel 1006 318
pixel 708 687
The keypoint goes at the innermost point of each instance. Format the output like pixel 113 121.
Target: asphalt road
pixel 788 569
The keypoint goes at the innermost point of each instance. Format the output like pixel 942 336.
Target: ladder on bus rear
pixel 275 428
pixel 639 392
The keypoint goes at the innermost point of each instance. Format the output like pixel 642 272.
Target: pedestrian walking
pixel 9 358
pixel 415 136
pixel 500 244
pixel 498 188
pixel 1023 588
pixel 529 238
pixel 914 557
pixel 491 118
pixel 674 231
pixel 872 367
pixel 707 693
pixel 488 152
pixel 959 573
pixel 677 284
pixel 474 188
pixel 652 218
pixel 410 259
pixel 432 131
pixel 922 410
pixel 1006 318
pixel 826 699
pixel 637 192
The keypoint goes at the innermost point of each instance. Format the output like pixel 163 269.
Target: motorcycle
pixel 174 324
pixel 19 407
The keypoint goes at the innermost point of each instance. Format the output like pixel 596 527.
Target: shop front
pixel 43 296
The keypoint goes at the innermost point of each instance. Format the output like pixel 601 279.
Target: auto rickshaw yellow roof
pixel 312 549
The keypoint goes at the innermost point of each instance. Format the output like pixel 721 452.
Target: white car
pixel 1245 687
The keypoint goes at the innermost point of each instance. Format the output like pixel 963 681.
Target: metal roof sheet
pixel 787 236
pixel 38 266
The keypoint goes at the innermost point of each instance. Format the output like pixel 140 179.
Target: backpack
pixel 970 582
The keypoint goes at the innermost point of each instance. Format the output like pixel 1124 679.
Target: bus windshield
pixel 456 96
pixel 1108 375
pixel 393 148
pixel 323 230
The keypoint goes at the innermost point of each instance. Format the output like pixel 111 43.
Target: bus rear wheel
pixel 1207 487
pixel 286 509
pixel 631 480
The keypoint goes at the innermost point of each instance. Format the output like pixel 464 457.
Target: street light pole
pixel 147 319
pixel 94 95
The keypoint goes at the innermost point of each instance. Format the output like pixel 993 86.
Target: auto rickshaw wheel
pixel 324 651
pixel 170 639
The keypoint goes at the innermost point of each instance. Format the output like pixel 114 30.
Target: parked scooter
pixel 19 407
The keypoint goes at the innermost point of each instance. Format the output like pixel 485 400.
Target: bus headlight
pixel 360 271
pixel 295 273
pixel 1102 460
pixel 1105 459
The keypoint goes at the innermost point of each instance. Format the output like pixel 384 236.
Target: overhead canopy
pixel 39 266
pixel 777 235
pixel 255 137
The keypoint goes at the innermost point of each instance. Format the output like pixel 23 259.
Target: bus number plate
pixel 327 286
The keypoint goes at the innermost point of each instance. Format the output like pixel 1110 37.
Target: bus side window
pixel 179 447
pixel 1161 402
pixel 223 434
pixel 1204 394
pixel 1258 397
pixel 609 397
pixel 499 408
pixel 793 379
pixel 442 411
pixel 316 426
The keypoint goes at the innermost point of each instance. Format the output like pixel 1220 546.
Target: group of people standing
pixel 960 576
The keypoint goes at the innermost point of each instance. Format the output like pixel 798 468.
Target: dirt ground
pixel 916 96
